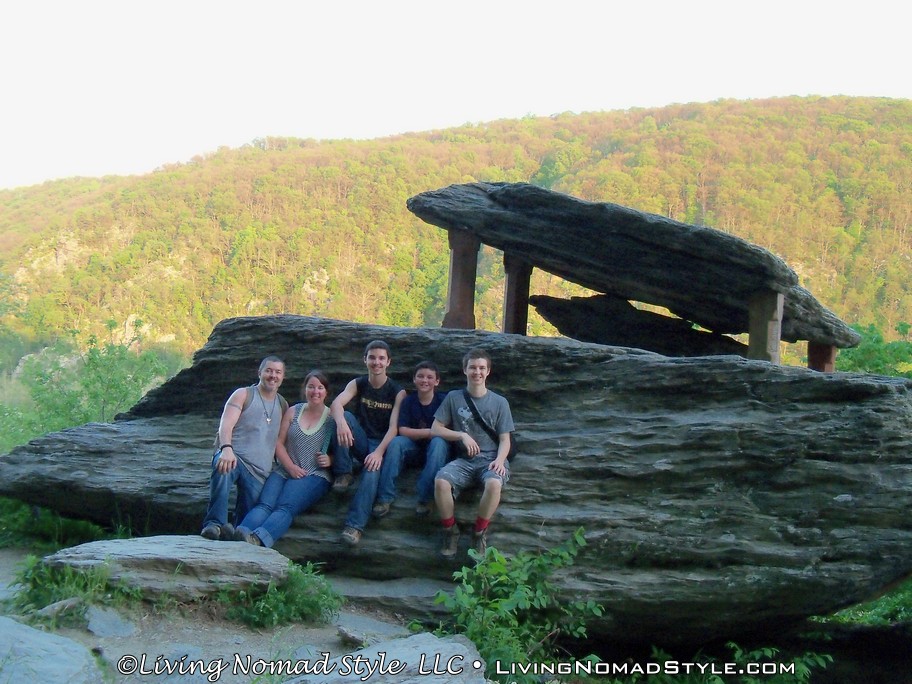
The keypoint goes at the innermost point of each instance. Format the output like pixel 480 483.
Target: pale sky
pixel 97 87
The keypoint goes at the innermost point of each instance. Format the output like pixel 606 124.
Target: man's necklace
pixel 268 415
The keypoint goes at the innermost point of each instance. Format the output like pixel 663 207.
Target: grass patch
pixel 43 585
pixel 304 596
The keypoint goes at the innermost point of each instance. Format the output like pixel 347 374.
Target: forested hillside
pixel 321 227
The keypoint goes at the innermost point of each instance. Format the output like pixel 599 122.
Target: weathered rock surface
pixel 30 655
pixel 187 645
pixel 719 495
pixel 186 568
pixel 698 273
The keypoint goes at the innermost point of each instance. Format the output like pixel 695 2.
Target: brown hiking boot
pixel 450 542
pixel 480 541
pixel 212 531
pixel 342 483
pixel 351 536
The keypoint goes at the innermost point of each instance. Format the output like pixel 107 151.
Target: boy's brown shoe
pixel 342 483
pixel 481 541
pixel 351 536
pixel 450 542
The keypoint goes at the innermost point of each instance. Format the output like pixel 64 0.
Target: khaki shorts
pixel 464 473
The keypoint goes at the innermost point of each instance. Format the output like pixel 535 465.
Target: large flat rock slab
pixel 701 274
pixel 186 567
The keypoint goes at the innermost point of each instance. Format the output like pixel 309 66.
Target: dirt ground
pixel 153 642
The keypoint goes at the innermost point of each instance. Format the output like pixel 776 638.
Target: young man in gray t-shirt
pixel 482 461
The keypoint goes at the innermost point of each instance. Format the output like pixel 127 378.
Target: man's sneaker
pixel 422 509
pixel 351 536
pixel 380 510
pixel 227 532
pixel 212 531
pixel 342 483
pixel 480 541
pixel 450 542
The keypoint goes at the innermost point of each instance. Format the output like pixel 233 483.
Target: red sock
pixel 448 522
pixel 482 524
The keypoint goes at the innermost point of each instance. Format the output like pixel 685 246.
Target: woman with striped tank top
pixel 303 475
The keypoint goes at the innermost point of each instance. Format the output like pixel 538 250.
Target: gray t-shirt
pixel 456 415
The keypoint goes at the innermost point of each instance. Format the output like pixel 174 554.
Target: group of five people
pixel 286 458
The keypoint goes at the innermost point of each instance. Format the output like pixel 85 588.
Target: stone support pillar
pixel 516 294
pixel 821 357
pixel 460 309
pixel 765 325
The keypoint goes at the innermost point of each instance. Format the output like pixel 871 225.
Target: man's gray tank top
pixel 256 433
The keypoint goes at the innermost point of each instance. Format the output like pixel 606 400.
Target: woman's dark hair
pixel 319 375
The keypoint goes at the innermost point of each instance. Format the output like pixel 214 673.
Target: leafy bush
pixel 797 670
pixel 305 596
pixel 39 528
pixel 509 609
pixel 889 609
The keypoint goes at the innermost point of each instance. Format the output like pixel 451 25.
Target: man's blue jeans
pixel 380 485
pixel 342 455
pixel 220 484
pixel 281 500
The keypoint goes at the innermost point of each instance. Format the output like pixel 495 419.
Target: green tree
pixel 70 387
pixel 876 356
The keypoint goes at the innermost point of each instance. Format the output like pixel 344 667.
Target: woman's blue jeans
pixel 280 501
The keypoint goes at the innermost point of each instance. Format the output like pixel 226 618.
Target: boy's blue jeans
pixel 342 456
pixel 380 485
